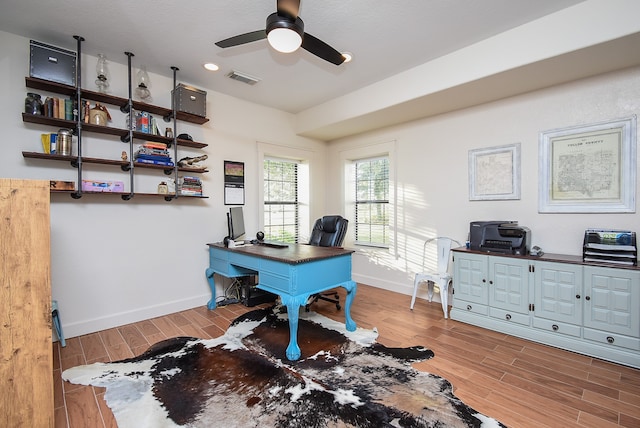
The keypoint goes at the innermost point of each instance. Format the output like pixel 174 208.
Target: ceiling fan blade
pixel 321 49
pixel 241 39
pixel 288 7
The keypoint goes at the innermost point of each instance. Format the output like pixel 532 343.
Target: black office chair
pixel 328 231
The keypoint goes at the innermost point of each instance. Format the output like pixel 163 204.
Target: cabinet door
pixel 509 284
pixel 470 278
pixel 612 300
pixel 558 292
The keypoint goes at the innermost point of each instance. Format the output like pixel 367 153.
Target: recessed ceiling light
pixel 348 56
pixel 211 66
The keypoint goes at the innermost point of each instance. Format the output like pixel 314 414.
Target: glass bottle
pixel 33 103
pixel 163 189
pixel 144 83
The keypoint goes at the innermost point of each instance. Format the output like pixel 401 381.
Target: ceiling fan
pixel 285 33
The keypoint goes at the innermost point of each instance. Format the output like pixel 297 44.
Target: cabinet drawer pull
pixel 588 298
pixel 610 339
pixel 468 307
pixel 555 327
pixel 508 317
pixel 490 282
pixel 577 296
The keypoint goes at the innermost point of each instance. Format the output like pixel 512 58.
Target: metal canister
pixel 65 139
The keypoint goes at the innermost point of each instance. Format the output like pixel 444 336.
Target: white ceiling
pixel 385 37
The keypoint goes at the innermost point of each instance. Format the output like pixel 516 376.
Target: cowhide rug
pixel 243 379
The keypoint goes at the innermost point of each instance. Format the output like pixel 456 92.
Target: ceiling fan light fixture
pixel 284 33
pixel 284 40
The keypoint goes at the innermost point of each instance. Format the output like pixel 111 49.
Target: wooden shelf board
pixel 108 130
pixel 189 143
pixel 102 129
pixel 157 195
pixel 116 162
pixel 46 85
pixel 50 121
pixel 192 118
pixel 38 155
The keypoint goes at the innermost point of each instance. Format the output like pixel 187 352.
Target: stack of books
pixel 190 186
pixel 154 153
pixel 610 246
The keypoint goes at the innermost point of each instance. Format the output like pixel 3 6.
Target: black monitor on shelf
pixel 235 223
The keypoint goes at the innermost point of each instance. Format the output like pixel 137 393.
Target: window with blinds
pixel 281 205
pixel 372 201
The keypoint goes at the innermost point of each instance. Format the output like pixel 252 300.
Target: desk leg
pixel 212 303
pixel 351 287
pixel 293 310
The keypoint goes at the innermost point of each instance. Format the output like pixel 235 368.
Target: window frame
pixel 267 203
pixel 386 203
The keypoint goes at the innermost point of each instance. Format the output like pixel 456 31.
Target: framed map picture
pixel 589 169
pixel 494 173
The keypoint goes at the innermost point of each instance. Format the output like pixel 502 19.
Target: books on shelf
pixel 58 108
pixel 144 122
pixel 610 246
pixel 154 153
pixel 155 162
pixel 190 186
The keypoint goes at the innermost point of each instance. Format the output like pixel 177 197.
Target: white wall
pixel 115 262
pixel 431 177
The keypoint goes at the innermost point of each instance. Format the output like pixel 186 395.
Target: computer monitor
pixel 235 222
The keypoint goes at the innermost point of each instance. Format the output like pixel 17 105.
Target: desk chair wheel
pixel 326 297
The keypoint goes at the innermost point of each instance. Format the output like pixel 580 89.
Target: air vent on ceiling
pixel 244 78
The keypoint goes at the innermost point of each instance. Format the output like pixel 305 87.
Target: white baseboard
pixel 402 288
pixel 122 318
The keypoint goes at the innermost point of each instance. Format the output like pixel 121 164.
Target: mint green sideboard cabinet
pixel 557 300
pixel 612 307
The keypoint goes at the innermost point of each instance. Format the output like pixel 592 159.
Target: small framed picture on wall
pixel 494 173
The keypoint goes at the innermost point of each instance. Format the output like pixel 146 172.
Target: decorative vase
pixel 99 115
pixel 102 72
pixel 163 189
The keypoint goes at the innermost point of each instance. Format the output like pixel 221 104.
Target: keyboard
pixel 272 245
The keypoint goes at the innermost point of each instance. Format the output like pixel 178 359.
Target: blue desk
pixel 293 273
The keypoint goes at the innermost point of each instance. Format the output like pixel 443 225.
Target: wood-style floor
pixel 521 383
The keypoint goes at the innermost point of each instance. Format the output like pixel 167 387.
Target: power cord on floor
pixel 232 293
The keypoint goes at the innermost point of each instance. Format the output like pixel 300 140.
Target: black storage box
pixel 191 100
pixel 52 63
pixel 252 296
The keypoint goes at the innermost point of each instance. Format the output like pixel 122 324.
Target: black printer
pixel 504 237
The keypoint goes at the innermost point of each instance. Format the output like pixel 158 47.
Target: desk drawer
pixel 219 265
pixel 472 307
pixel 275 282
pixel 277 268
pixel 612 339
pixel 510 316
pixel 557 327
pixel 243 260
